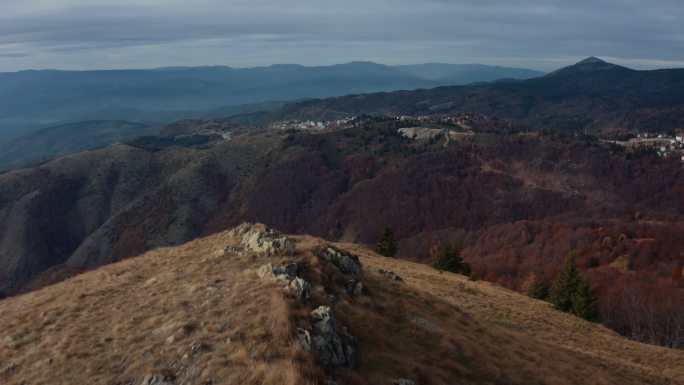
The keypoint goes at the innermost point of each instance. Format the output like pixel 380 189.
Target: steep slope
pixel 591 94
pixel 200 313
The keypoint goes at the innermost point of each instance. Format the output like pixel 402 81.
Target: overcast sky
pixel 545 35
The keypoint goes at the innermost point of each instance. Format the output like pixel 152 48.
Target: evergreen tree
pixel 566 285
pixel 584 302
pixel 449 259
pixel 387 244
pixel 540 286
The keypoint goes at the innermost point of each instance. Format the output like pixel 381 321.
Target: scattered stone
pixel 329 381
pixel 354 287
pixel 11 368
pixel 164 377
pixel 389 274
pixel 331 298
pixel 427 325
pixel 197 346
pixel 185 330
pixel 171 339
pixel 403 381
pixel 347 264
pixel 324 339
pixel 230 250
pixel 238 335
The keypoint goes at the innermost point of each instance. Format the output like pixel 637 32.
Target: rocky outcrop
pixel 259 239
pixel 347 264
pixel 287 274
pixel 325 341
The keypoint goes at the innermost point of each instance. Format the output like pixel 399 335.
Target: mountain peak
pixel 590 64
pixel 592 60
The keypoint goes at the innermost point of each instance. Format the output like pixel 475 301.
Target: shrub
pixel 387 244
pixel 566 284
pixel 448 258
pixel 572 292
pixel 584 302
pixel 539 286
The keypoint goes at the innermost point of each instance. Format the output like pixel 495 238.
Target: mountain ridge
pixel 223 320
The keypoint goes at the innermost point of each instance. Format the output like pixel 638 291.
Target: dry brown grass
pixel 525 340
pixel 116 324
pixel 123 321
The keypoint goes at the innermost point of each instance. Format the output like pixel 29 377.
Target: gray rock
pixel 389 274
pixel 265 270
pixel 230 250
pixel 301 287
pixel 403 381
pixel 325 340
pixel 291 270
pixel 329 381
pixel 266 241
pixel 159 378
pixel 347 264
pixel 287 275
pixel 354 287
pixel 427 325
pixel 11 368
pixel 197 346
pixel 331 298
pixel 304 338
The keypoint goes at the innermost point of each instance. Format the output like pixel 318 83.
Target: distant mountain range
pixel 591 94
pixel 49 97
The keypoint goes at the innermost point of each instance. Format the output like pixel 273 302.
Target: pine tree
pixel 566 284
pixel 449 259
pixel 540 287
pixel 584 302
pixel 387 244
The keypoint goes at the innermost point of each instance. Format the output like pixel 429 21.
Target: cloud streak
pixel 539 34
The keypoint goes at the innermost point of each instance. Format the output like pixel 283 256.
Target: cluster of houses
pixel 665 145
pixel 347 122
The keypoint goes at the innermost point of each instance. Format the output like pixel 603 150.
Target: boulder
pixel 354 287
pixel 287 274
pixel 291 270
pixel 301 287
pixel 159 378
pixel 267 241
pixel 265 270
pixel 347 264
pixel 324 340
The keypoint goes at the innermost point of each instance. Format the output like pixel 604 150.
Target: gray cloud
pixel 542 34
